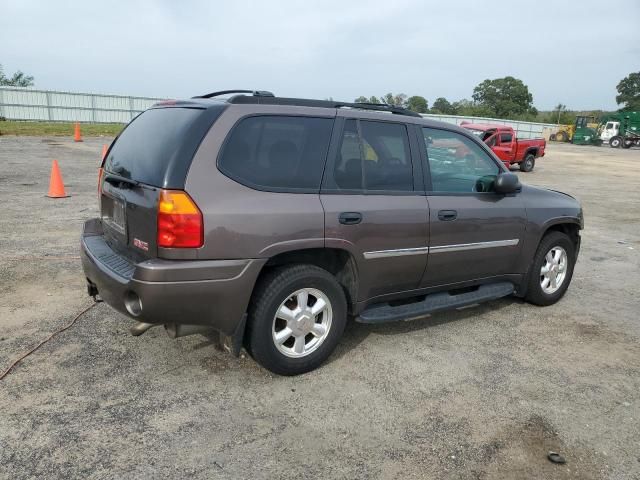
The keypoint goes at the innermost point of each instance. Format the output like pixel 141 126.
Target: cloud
pixel 566 52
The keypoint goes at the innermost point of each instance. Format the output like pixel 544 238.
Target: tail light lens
pixel 180 222
pixel 100 175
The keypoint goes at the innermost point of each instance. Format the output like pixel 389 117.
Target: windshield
pixel 477 133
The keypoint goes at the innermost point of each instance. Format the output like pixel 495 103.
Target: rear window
pixel 277 153
pixel 150 143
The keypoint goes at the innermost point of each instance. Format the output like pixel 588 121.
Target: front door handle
pixel 447 215
pixel 350 218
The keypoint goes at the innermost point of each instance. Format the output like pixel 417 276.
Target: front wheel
pixel 551 270
pixel 296 318
pixel 528 163
pixel 615 142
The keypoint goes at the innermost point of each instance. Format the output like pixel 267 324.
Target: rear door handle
pixel 350 218
pixel 447 215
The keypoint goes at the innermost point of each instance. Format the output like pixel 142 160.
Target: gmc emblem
pixel 140 244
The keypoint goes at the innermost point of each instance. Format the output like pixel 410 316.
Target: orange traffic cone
pixel 77 137
pixel 104 151
pixel 56 187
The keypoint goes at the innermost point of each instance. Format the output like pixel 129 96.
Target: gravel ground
pixel 475 394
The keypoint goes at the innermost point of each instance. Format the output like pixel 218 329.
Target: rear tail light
pixel 100 175
pixel 180 222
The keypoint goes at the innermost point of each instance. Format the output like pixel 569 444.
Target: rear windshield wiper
pixel 118 181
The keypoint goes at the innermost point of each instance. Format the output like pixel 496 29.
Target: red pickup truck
pixel 502 140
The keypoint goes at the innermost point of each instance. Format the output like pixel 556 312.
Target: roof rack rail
pixel 304 102
pixel 255 93
pixel 384 107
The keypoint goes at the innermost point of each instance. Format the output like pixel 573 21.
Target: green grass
pixel 58 129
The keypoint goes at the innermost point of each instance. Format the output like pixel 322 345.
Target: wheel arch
pixel 570 226
pixel 338 262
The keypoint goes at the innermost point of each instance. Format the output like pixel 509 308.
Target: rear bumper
pixel 212 293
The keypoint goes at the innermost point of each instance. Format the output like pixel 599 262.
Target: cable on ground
pixel 25 355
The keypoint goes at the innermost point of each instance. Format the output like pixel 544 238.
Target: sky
pixel 570 52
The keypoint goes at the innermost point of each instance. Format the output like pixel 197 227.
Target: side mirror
pixel 507 182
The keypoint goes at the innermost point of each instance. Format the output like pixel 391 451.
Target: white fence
pixel 30 104
pixel 523 129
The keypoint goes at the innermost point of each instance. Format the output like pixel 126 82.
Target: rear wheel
pixel 615 142
pixel 627 143
pixel 528 163
pixel 561 137
pixel 551 270
pixel 296 319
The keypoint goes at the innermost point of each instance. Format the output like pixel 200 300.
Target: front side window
pixel 277 152
pixel 457 164
pixel 376 158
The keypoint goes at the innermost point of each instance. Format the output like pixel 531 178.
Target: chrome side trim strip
pixel 396 253
pixel 440 249
pixel 473 246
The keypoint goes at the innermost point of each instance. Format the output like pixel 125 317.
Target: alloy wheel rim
pixel 302 322
pixel 554 270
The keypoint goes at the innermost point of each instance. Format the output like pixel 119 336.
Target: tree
pixel 442 105
pixel 506 97
pixel 559 108
pixel 394 100
pixel 471 109
pixel 363 99
pixel 629 92
pixel 560 115
pixel 417 104
pixel 18 79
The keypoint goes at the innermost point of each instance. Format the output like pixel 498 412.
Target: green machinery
pixel 621 129
pixel 586 131
pixel 566 133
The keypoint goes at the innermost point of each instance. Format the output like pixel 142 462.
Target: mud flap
pixel 233 343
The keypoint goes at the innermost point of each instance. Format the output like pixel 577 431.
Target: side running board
pixel 435 302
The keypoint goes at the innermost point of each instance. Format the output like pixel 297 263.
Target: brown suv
pixel 272 220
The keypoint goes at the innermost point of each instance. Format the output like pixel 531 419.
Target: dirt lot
pixel 477 394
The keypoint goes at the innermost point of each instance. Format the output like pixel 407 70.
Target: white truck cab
pixel 610 130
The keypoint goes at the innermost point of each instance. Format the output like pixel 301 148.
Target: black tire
pixel 528 163
pixel 272 290
pixel 535 293
pixel 561 137
pixel 615 142
pixel 627 143
pixel 552 137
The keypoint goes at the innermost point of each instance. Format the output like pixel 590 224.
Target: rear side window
pixel 506 138
pixel 150 143
pixel 376 159
pixel 277 153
